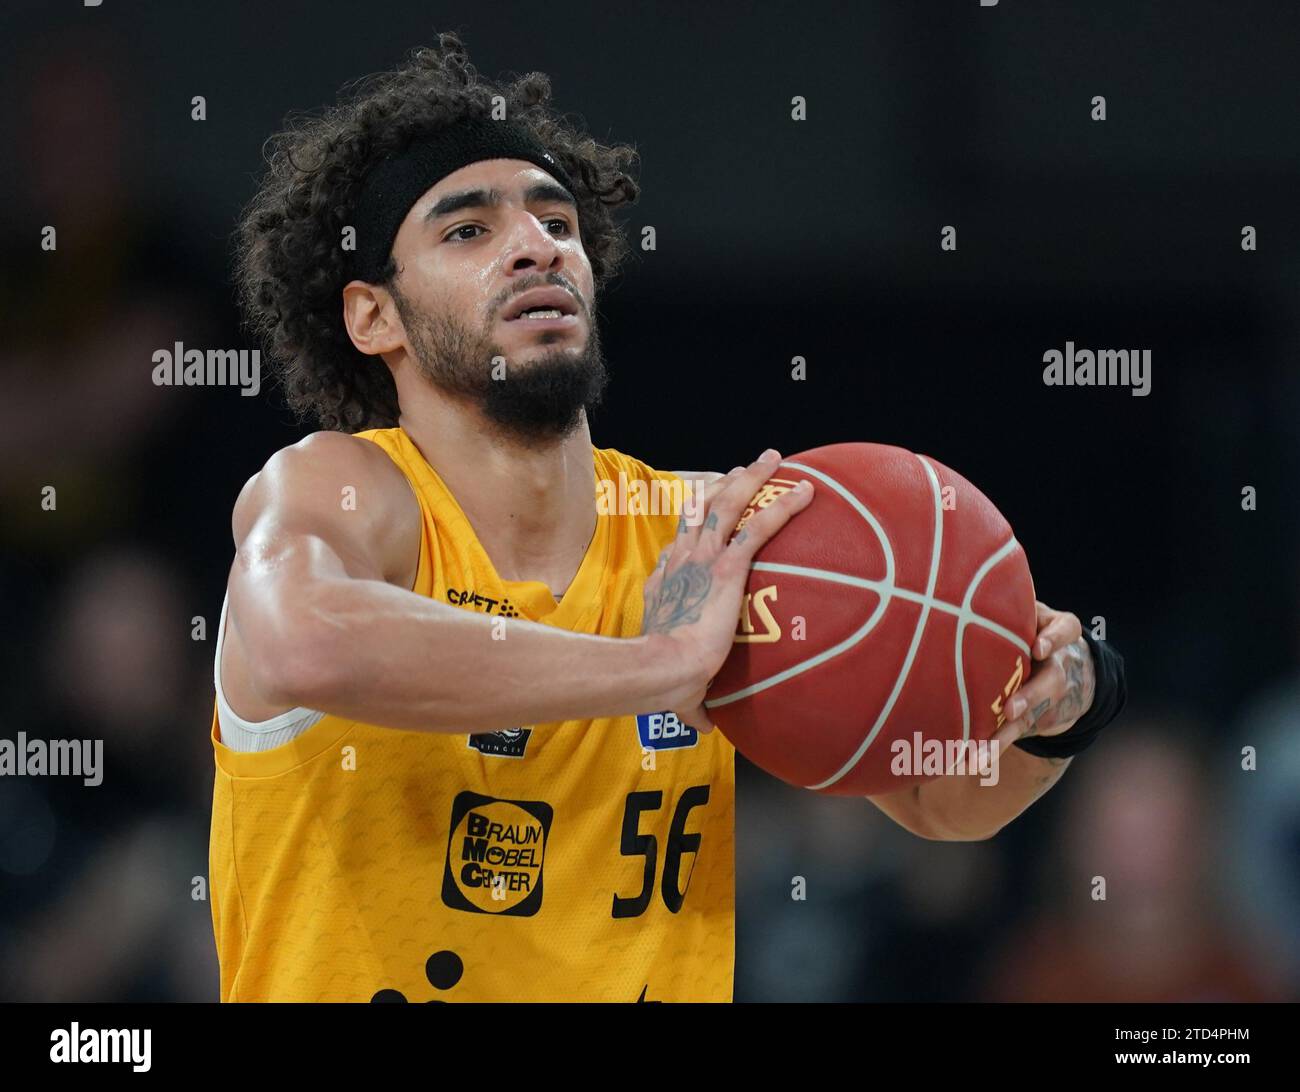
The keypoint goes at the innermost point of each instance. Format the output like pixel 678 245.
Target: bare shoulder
pixel 316 471
pixel 335 485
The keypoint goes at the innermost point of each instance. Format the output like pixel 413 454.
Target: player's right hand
pixel 693 597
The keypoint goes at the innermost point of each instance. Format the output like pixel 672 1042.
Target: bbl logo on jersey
pixel 506 743
pixel 494 855
pixel 663 731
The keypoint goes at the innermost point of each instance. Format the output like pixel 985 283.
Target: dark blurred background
pixel 775 238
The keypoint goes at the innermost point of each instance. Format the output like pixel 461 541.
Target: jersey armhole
pixel 415 496
pixel 245 735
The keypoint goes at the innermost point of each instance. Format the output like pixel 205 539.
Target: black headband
pixel 398 180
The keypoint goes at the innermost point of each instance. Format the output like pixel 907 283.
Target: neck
pixel 533 509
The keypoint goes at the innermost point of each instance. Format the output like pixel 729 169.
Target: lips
pixel 545 299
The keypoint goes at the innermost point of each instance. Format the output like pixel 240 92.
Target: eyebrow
pixel 540 192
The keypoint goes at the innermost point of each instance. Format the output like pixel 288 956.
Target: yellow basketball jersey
pixel 577 860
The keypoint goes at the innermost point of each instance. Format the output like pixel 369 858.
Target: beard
pixel 534 404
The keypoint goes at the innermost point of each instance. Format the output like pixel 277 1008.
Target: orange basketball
pixel 898 602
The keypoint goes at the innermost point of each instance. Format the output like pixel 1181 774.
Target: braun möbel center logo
pixel 495 851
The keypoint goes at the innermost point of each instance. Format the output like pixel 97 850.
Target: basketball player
pixel 438 667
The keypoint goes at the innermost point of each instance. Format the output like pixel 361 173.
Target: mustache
pixel 540 280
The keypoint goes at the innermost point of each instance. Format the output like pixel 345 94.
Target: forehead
pixel 511 176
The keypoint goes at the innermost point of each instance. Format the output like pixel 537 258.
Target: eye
pixel 564 225
pixel 455 236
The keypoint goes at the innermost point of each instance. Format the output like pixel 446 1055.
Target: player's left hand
pixel 1061 685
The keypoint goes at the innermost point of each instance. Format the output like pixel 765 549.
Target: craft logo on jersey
pixel 495 853
pixel 506 743
pixel 458 597
pixel 663 731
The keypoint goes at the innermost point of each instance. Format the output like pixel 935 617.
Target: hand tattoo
pixel 1081 681
pixel 1036 714
pixel 679 599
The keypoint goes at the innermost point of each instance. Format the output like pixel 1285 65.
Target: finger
pixel 1028 724
pixel 766 522
pixel 1043 617
pixel 1007 734
pixel 1030 708
pixel 1061 630
pixel 719 484
pixel 701 494
pixel 726 508
pixel 695 511
pixel 688 531
pixel 697 718
pixel 1048 682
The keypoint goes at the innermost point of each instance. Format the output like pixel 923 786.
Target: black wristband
pixel 1108 699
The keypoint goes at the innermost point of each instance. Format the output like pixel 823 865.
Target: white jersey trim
pixel 246 735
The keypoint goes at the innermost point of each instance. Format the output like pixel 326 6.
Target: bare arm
pixel 323 623
pixel 959 807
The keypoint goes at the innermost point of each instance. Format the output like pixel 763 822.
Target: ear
pixel 372 319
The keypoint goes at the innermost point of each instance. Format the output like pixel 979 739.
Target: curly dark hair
pixel 290 267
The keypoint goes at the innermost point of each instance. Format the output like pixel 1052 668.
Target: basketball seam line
pixel 983 571
pixel 936 553
pixel 853 638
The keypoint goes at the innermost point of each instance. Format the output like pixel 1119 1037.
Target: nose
pixel 531 247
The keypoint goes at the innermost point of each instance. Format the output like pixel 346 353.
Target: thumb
pixel 697 718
